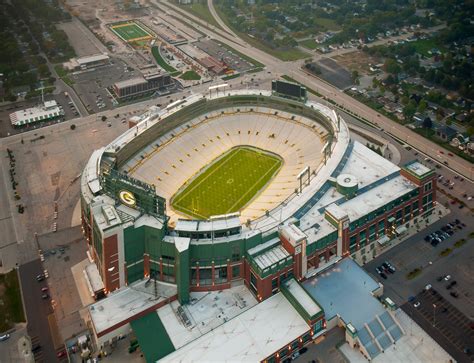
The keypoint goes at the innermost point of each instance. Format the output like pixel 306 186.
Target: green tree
pixel 409 110
pixel 422 106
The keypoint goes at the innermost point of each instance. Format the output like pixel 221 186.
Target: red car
pixel 61 354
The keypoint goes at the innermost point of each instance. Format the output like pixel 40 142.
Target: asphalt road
pixel 37 311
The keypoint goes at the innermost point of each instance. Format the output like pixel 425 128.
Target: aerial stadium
pixel 239 188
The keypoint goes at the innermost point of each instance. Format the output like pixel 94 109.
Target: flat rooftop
pixel 367 166
pixel 128 302
pixel 377 197
pixel 205 312
pixel 249 337
pixel 346 290
pixel 417 168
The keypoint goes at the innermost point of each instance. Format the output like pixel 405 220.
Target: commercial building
pixel 338 199
pixel 142 85
pixel 87 62
pixel 49 110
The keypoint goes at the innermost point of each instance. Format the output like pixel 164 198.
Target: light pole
pixel 434 315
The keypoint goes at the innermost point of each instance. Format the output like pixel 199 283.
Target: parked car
pixel 417 304
pixel 454 294
pixel 411 299
pixel 40 277
pixel 447 277
pixel 382 275
pixel 4 337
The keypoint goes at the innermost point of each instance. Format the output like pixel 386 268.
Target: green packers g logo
pixel 127 198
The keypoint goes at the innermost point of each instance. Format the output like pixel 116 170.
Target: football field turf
pixel 228 184
pixel 130 31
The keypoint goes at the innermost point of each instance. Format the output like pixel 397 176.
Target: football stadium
pixel 224 208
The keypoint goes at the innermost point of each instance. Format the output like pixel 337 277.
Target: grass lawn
pixel 309 43
pixel 424 45
pixel 228 184
pixel 161 61
pixel 327 23
pixel 201 10
pixel 62 73
pixel 190 76
pixel 11 307
pixel 129 31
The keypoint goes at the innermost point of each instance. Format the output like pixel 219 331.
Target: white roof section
pixel 367 166
pixel 336 211
pixel 48 110
pixel 50 104
pixel 418 168
pixel 377 197
pixel 205 312
pixel 292 234
pixel 93 276
pixel 128 302
pixel 305 300
pixel 347 180
pixel 92 171
pixel 147 220
pixel 105 214
pixel 251 336
pixel 262 246
pixel 271 257
pixel 316 227
pixel 92 58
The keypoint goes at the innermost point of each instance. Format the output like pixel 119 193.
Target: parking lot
pixel 445 319
pixel 221 53
pixel 6 128
pixel 91 85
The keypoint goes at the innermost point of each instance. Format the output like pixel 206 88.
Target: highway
pixel 293 69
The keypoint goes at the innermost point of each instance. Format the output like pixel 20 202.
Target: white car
pixel 4 337
pixel 447 277
pixel 417 304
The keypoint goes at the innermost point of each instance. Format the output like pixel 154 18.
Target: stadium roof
pixel 207 226
pixel 251 336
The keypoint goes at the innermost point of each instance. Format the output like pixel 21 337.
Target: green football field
pixel 228 184
pixel 130 31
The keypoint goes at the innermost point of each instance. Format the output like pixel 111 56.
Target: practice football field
pixel 129 31
pixel 228 184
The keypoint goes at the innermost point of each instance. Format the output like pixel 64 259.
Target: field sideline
pixel 228 184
